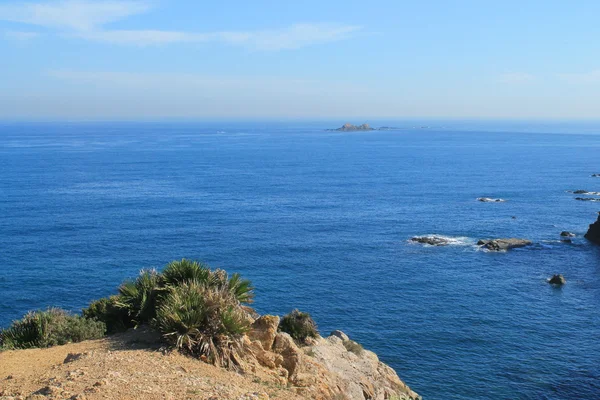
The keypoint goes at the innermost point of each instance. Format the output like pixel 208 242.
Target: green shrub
pixel 109 311
pixel 186 271
pixel 354 347
pixel 140 297
pixel 182 271
pixel 49 328
pixel 299 325
pixel 199 311
pixel 203 321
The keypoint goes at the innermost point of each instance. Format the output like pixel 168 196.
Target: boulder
pixel 340 334
pixel 567 234
pixel 431 240
pixel 286 347
pixel 593 233
pixel 557 280
pixel 503 244
pixel 264 330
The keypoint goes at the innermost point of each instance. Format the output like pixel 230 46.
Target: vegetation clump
pixel 197 310
pixel 354 347
pixel 111 313
pixel 50 328
pixel 299 325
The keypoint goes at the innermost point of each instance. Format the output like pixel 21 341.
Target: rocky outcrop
pixel 264 330
pixel 557 280
pixel 353 128
pixel 593 233
pixel 325 369
pixel 431 240
pixel 567 234
pixel 490 200
pixel 503 244
pixel 581 191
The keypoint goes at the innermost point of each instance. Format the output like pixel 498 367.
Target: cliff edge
pixel 133 365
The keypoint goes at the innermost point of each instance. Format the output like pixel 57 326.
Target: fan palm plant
pixel 203 321
pixel 140 297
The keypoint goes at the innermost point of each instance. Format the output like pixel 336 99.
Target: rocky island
pixel 347 127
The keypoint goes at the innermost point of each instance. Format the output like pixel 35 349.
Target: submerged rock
pixel 567 234
pixel 595 175
pixel 593 233
pixel 557 280
pixel 431 240
pixel 587 199
pixel 490 200
pixel 503 244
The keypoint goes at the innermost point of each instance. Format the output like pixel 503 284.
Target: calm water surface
pixel 320 221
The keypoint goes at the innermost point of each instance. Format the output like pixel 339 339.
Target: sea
pixel 321 221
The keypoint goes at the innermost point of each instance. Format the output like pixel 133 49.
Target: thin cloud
pixel 581 78
pixel 71 14
pixel 85 19
pixel 292 37
pixel 20 35
pixel 517 77
pixel 191 82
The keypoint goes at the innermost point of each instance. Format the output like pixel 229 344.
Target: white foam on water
pixel 449 240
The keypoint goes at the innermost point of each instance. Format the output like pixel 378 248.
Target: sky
pixel 152 59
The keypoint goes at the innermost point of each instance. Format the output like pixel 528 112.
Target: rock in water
pixel 431 240
pixel 557 280
pixel 581 191
pixel 567 234
pixel 593 234
pixel 353 128
pixel 490 200
pixel 503 244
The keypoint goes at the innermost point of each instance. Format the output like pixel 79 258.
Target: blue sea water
pixel 320 221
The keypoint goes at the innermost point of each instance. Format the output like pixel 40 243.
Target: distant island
pixel 347 127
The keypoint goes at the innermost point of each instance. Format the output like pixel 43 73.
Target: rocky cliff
pixel 133 365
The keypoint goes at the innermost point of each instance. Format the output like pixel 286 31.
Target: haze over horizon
pixel 116 59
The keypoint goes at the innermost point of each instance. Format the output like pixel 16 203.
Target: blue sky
pixel 116 59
